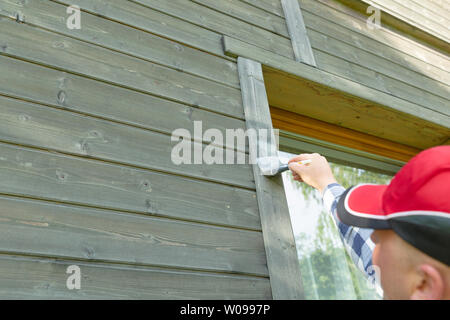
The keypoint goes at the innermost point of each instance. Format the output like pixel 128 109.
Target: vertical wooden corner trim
pixel 279 242
pixel 297 31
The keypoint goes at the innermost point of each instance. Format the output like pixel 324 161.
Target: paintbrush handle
pixel 285 167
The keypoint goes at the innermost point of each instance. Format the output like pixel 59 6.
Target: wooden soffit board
pixel 317 94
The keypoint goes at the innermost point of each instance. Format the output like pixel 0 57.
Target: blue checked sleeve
pixel 356 240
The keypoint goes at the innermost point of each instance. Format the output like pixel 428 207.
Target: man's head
pixel 406 272
pixel 411 218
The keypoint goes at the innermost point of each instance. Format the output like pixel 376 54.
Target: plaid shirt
pixel 356 240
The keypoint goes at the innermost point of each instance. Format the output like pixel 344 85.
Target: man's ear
pixel 430 284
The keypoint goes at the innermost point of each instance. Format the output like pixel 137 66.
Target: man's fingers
pixel 296 168
pixel 304 156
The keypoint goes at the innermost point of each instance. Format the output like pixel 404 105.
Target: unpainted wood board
pixel 381 82
pixel 377 64
pixel 272 6
pixel 441 3
pixel 248 13
pixel 68 54
pixel 291 69
pixel 62 178
pixel 342 109
pixel 153 21
pixel 438 18
pixel 407 14
pixel 441 7
pixel 281 252
pixel 67 91
pixel 326 35
pixel 298 33
pixel 218 22
pixel 132 41
pixel 399 25
pixel 37 228
pixel 356 21
pixel 330 22
pixel 43 278
pixel 33 125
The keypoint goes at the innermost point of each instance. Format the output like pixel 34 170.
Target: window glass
pixel 326 268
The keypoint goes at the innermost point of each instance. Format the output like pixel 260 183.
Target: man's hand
pixel 317 174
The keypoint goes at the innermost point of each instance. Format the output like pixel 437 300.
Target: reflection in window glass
pixel 327 270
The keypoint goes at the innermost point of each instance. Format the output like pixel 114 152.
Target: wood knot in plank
pixel 145 186
pixel 152 207
pixel 178 47
pixel 24 117
pixel 62 176
pixel 89 252
pixel 95 134
pixel 189 112
pixel 83 145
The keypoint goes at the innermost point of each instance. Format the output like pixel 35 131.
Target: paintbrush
pixel 271 166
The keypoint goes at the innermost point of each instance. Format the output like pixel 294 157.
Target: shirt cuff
pixel 330 195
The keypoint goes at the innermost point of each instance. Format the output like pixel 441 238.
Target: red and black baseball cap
pixel 415 204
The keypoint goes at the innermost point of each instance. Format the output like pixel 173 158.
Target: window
pixel 326 268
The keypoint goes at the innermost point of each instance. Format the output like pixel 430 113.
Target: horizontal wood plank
pixel 344 16
pixel 358 51
pixel 250 14
pixel 416 18
pixel 382 66
pixel 67 91
pixel 235 47
pixel 349 29
pixel 50 49
pixel 384 83
pixel 61 231
pixel 402 24
pixel 440 7
pixel 298 88
pixel 438 18
pixel 156 22
pixel 51 176
pixel 339 108
pixel 324 17
pixel 272 6
pixel 218 22
pixel 132 41
pixel 29 278
pixel 39 126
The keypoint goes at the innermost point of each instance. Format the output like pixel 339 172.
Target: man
pixel 411 218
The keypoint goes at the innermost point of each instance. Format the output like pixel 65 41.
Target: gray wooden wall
pixel 85 123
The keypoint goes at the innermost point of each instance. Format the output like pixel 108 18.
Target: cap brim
pixel 361 206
